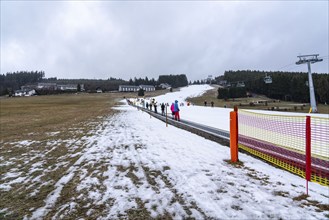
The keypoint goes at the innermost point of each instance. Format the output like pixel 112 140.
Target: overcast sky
pixel 127 39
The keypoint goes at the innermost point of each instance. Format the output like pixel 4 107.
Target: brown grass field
pixel 21 117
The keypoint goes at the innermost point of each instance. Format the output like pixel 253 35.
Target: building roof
pixel 130 86
pixel 147 86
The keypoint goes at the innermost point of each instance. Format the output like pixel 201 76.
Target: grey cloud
pixel 128 39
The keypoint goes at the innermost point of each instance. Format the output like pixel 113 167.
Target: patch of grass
pixel 177 197
pixel 151 175
pixel 133 177
pixel 305 202
pixel 221 190
pixel 300 197
pixel 19 201
pixel 236 207
pixel 140 212
pixel 281 193
pixel 238 164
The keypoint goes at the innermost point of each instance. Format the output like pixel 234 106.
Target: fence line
pixel 299 144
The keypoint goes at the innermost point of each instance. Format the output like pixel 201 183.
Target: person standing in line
pixel 205 102
pixel 147 105
pixel 163 109
pixel 172 108
pixel 155 106
pixel 176 110
pixel 150 104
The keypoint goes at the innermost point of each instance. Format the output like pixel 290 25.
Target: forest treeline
pixel 11 82
pixel 290 86
pixel 174 80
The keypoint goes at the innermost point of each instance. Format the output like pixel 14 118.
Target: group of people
pixel 152 103
pixel 174 108
pixel 212 103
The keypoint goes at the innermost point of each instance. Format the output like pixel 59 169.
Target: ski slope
pixel 132 165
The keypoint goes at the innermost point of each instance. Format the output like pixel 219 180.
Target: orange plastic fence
pixel 298 144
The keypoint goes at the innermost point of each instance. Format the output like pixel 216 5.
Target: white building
pixel 147 88
pixel 47 86
pixel 68 87
pixel 25 92
pixel 165 86
pixel 129 88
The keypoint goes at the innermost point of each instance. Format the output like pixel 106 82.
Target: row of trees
pixel 13 81
pixel 291 86
pixel 140 81
pixel 173 80
pixel 231 93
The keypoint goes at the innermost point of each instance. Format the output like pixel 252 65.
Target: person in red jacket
pixel 176 110
pixel 172 108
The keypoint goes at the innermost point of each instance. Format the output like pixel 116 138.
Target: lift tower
pixel 309 59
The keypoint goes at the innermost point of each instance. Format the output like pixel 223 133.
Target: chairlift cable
pixel 292 65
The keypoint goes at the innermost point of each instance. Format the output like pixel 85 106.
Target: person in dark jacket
pixel 155 106
pixel 163 109
pixel 176 110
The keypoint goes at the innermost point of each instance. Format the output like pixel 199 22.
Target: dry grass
pixel 22 117
pixel 243 103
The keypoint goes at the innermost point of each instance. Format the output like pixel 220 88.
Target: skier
pixel 172 109
pixel 163 109
pixel 150 104
pixel 176 110
pixel 155 106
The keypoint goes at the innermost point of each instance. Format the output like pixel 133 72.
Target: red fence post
pixel 234 135
pixel 308 160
